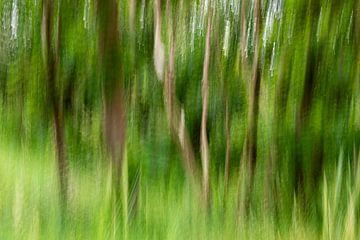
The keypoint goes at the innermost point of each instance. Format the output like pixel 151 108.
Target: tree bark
pixel 51 58
pixel 112 72
pixel 205 158
pixel 175 114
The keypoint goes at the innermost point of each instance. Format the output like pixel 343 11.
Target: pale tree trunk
pixel 243 40
pixel 51 58
pixel 175 114
pixel 159 52
pixel 132 11
pixel 205 158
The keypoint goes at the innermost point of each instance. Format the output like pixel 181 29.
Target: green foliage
pixel 308 123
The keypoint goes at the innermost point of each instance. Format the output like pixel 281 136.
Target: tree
pixel 51 56
pixel 175 114
pixel 111 70
pixel 205 158
pixel 249 157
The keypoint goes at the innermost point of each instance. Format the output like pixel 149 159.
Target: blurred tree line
pixel 262 92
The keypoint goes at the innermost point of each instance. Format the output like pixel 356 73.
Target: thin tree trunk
pixel 51 58
pixel 132 11
pixel 159 52
pixel 205 158
pixel 250 145
pixel 243 41
pixel 176 119
pixel 175 114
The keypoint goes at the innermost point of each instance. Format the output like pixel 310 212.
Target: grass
pixel 29 206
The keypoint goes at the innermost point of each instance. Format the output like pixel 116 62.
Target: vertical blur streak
pixel 228 143
pixel 243 45
pixel 51 59
pixel 175 114
pixel 112 73
pixel 161 109
pixel 356 71
pixel 250 145
pixel 356 30
pixel 132 9
pixel 14 19
pixel 306 103
pixel 159 52
pixel 272 186
pixel 205 105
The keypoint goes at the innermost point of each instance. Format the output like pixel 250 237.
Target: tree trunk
pixel 175 114
pixel 112 72
pixel 51 57
pixel 250 145
pixel 243 41
pixel 205 158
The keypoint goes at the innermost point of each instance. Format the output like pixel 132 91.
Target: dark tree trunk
pixel 51 56
pixel 112 73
